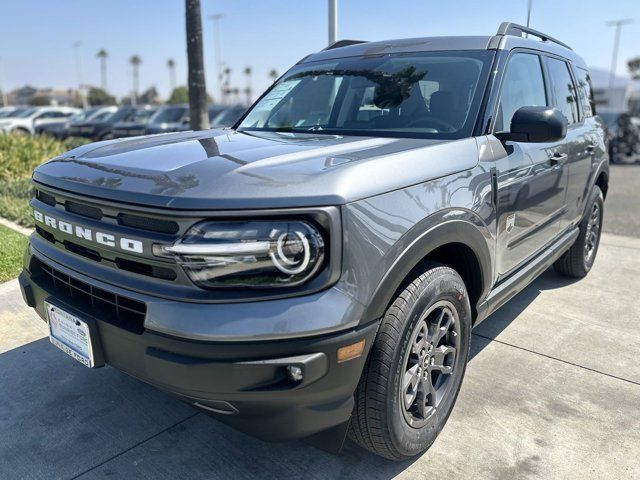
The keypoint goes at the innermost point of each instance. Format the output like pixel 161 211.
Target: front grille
pixel 46 198
pixel 84 210
pixel 109 307
pixel 122 263
pixel 147 223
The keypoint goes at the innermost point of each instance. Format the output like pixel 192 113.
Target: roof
pixel 508 37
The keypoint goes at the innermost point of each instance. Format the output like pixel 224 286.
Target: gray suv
pixel 315 271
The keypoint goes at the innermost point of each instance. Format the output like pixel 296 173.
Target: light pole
pixel 529 4
pixel 5 99
pixel 217 50
pixel 83 97
pixel 333 21
pixel 616 43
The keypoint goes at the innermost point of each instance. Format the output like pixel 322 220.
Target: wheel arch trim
pixel 464 228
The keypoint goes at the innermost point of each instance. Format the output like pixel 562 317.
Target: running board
pixel 516 282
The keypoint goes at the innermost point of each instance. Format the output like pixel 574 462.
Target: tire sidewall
pixel 596 197
pixel 407 440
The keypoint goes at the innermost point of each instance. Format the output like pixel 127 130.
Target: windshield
pixel 423 95
pixel 27 112
pixel 120 115
pixel 143 115
pixel 228 117
pixel 169 115
pixel 215 111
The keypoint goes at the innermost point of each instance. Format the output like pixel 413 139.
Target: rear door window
pixel 565 95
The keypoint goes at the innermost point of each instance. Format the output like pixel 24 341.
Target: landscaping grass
pixel 13 246
pixel 19 155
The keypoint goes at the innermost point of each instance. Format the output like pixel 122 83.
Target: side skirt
pixel 517 281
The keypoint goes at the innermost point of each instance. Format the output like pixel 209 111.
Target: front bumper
pixel 244 384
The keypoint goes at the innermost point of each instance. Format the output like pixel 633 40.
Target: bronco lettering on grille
pixel 102 238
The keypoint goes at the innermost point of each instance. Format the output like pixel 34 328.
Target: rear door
pixel 587 151
pixel 579 142
pixel 532 178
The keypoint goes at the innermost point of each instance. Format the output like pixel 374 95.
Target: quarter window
pixel 585 92
pixel 522 86
pixel 564 91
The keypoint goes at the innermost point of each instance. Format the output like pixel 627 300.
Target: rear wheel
pixel 415 368
pixel 578 260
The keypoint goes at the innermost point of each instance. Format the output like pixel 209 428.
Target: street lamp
pixel 616 43
pixel 333 21
pixel 217 49
pixel 5 98
pixel 83 96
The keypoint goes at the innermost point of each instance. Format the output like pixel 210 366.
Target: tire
pixel 578 260
pixel 381 421
pixel 20 131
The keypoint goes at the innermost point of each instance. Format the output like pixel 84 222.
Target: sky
pixel 37 36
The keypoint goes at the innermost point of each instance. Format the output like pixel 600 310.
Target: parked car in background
pixel 7 111
pixel 135 124
pixel 213 112
pixel 228 117
pixel 26 121
pixel 60 131
pixel 623 135
pixel 100 128
pixel 12 111
pixel 170 118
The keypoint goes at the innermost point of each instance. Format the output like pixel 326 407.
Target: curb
pixel 15 227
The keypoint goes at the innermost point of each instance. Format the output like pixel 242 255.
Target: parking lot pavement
pixel 621 215
pixel 552 391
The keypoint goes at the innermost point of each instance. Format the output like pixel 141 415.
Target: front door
pixel 532 178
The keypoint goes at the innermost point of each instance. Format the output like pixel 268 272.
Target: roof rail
pixel 343 43
pixel 508 28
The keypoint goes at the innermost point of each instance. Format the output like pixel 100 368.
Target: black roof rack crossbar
pixel 508 28
pixel 343 43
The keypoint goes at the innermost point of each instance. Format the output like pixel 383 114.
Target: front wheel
pixel 415 368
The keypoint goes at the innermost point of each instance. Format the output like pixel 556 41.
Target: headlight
pixel 248 254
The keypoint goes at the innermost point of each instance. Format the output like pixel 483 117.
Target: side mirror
pixel 536 125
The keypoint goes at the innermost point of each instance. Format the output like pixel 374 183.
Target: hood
pixel 225 169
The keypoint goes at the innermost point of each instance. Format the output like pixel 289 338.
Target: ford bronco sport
pixel 316 270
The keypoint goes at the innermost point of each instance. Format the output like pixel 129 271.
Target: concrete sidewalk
pixel 552 391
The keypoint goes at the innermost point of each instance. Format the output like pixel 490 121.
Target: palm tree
pixel 273 75
pixel 102 55
pixel 135 62
pixel 195 57
pixel 248 89
pixel 171 65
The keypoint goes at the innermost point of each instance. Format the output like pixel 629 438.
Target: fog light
pixel 350 352
pixel 295 373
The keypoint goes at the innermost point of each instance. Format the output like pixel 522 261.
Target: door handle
pixel 591 148
pixel 557 158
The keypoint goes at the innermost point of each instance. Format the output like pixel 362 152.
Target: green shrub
pixel 20 154
pixel 14 201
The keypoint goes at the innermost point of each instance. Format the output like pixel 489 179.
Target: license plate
pixel 70 334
